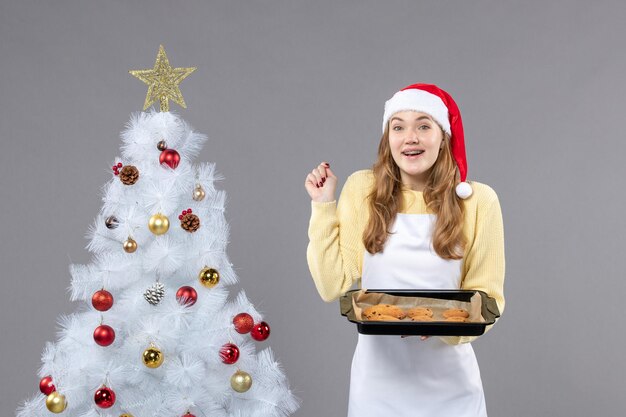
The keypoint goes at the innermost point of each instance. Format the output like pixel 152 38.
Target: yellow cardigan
pixel 335 251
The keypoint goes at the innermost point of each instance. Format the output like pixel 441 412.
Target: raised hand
pixel 321 183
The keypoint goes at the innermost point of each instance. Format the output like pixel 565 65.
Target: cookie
pixel 419 317
pixel 456 319
pixel 383 317
pixel 385 310
pixel 455 312
pixel 419 311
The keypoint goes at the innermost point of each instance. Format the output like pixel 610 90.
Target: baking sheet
pixel 482 308
pixel 362 299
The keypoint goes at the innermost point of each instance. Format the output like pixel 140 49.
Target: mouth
pixel 413 154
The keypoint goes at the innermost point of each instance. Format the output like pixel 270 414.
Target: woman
pixel 410 222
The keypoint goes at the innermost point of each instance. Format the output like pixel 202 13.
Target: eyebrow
pixel 419 118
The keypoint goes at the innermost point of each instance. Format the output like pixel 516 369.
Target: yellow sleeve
pixel 335 242
pixel 484 261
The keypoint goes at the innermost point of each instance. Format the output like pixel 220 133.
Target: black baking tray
pixel 489 312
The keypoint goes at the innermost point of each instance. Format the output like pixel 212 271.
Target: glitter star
pixel 163 82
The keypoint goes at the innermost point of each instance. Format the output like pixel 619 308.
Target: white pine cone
pixel 155 293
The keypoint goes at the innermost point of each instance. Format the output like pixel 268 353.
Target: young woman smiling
pixel 411 222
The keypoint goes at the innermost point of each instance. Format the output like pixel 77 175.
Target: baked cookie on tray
pixel 383 310
pixel 418 317
pixel 456 319
pixel 384 317
pixel 455 312
pixel 419 311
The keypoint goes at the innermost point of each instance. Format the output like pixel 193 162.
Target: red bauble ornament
pixel 229 353
pixel 189 415
pixel 169 157
pixel 104 335
pixel 45 385
pixel 186 296
pixel 260 331
pixel 104 397
pixel 243 322
pixel 102 300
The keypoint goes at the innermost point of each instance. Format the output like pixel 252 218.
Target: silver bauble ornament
pixel 111 222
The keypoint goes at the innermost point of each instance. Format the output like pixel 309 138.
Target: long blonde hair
pixel 439 194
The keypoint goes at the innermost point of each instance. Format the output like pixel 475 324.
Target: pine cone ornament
pixel 129 175
pixel 155 293
pixel 188 221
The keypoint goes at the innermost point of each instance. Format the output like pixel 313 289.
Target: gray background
pixel 283 85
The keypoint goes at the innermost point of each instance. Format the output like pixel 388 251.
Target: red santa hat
pixel 430 99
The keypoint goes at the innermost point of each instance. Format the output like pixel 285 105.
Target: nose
pixel 412 136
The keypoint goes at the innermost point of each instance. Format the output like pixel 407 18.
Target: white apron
pixel 409 377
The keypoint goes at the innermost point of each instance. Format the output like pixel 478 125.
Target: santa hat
pixel 430 99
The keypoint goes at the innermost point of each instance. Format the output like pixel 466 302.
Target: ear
pixel 444 137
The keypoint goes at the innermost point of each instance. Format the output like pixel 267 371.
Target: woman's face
pixel 415 141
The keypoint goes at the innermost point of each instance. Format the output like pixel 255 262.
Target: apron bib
pixel 409 377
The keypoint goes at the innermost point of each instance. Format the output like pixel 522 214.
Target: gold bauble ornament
pixel 209 277
pixel 126 415
pixel 198 193
pixel 130 245
pixel 159 224
pixel 56 403
pixel 153 357
pixel 241 381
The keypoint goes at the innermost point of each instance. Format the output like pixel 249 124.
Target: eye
pixel 424 126
pixel 397 128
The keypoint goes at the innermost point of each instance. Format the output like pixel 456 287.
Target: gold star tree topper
pixel 163 82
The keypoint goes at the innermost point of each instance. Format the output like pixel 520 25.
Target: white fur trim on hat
pixel 417 100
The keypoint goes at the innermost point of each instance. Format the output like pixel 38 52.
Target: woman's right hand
pixel 321 183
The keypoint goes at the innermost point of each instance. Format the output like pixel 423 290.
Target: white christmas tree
pixel 156 333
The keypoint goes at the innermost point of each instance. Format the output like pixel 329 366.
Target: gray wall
pixel 282 85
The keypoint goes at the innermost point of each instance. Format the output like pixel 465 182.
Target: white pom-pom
pixel 463 190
